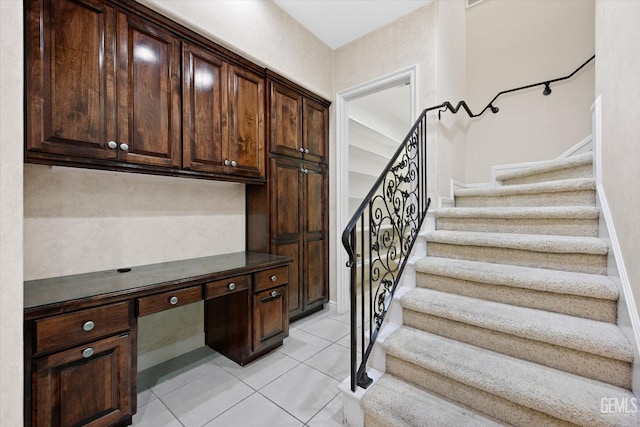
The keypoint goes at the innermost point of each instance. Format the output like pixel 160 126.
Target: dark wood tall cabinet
pixel 289 216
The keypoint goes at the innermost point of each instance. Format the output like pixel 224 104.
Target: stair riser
pixel 547 226
pixel 588 308
pixel 479 400
pixel 565 198
pixel 582 171
pixel 576 262
pixel 592 366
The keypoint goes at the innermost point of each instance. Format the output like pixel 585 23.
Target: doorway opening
pixel 372 121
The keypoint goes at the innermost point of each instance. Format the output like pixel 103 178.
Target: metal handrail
pixel 389 220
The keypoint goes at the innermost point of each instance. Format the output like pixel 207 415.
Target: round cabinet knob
pixel 227 162
pixel 87 352
pixel 112 144
pixel 231 286
pixel 274 294
pixel 301 149
pixel 306 151
pixel 173 300
pixel 274 278
pixel 88 325
pixel 124 147
pixel 234 163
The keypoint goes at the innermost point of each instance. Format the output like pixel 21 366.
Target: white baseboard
pixel 170 351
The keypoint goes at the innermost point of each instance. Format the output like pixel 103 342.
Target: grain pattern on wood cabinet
pixel 149 113
pixel 246 133
pixel 315 131
pixel 73 388
pixel 285 120
pixel 70 93
pixel 270 317
pixel 315 235
pixel 204 94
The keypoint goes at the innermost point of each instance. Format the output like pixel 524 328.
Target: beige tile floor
pixel 295 385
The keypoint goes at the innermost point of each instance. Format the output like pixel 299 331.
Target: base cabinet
pixel 86 385
pixel 270 317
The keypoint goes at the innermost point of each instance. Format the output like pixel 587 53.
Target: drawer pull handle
pixel 88 325
pixel 87 352
pixel 274 294
pixel 173 300
pixel 231 286
pixel 274 278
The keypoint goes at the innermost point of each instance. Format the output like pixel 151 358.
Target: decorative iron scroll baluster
pixel 381 234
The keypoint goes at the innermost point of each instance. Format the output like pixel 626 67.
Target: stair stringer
pixel 352 408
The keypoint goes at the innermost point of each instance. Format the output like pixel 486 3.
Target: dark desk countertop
pixel 48 294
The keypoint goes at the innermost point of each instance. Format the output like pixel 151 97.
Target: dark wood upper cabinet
pixel 315 131
pixel 285 136
pixel 115 85
pixel 70 88
pixel 246 133
pixel 205 114
pixel 148 91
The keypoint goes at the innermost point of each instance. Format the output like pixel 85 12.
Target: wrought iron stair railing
pixel 383 230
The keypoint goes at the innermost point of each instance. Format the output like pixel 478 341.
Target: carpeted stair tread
pixel 539 279
pixel 585 335
pixel 391 402
pixel 549 166
pixel 552 212
pixel 527 242
pixel 561 395
pixel 558 186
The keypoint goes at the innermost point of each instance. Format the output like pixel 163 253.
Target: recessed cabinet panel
pixel 285 181
pixel 286 121
pixel 315 271
pixel 316 128
pixel 293 251
pixel 205 132
pixel 314 200
pixel 270 317
pixel 246 103
pixel 148 94
pixel 84 385
pixel 70 89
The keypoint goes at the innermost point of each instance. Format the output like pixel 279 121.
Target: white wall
pixel 11 131
pixel 516 43
pixel 617 71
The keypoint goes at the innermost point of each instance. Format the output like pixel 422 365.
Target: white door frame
pixel 406 75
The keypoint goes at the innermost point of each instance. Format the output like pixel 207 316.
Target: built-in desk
pixel 81 330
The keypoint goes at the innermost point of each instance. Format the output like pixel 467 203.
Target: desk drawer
pixel 168 300
pixel 270 278
pixel 74 328
pixel 227 286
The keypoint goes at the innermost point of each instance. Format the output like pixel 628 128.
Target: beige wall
pixel 451 86
pixel 11 131
pixel 516 43
pixel 617 71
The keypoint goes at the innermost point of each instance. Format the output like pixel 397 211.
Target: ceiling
pixel 338 22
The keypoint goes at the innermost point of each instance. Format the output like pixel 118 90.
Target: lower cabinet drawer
pixel 270 278
pixel 65 330
pixel 226 286
pixel 168 300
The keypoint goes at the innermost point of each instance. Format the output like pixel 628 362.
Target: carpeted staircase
pixel 513 319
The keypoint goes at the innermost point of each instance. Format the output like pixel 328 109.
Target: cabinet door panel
pixel 148 94
pixel 285 121
pixel 70 389
pixel 292 250
pixel 285 181
pixel 246 134
pixel 315 228
pixel 270 317
pixel 316 131
pixel 70 76
pixel 204 94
